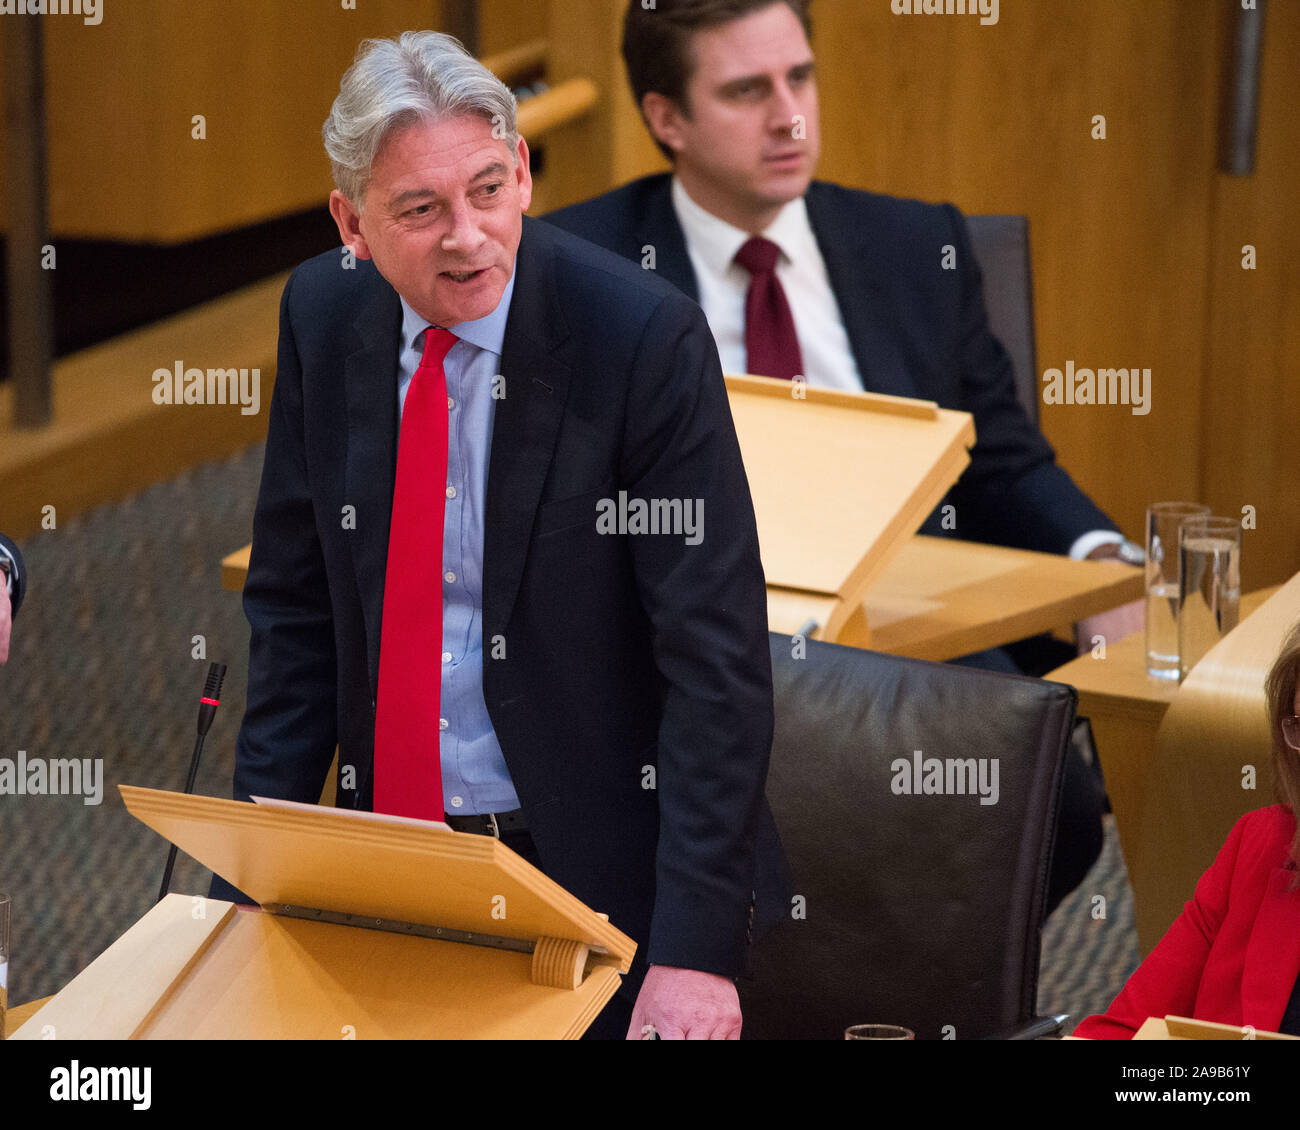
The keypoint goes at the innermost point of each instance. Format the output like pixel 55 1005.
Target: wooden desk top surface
pixel 941 598
pixel 1120 680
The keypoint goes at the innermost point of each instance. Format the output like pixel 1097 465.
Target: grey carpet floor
pixel 102 667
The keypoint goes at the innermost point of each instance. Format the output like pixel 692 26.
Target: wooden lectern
pixel 840 481
pixel 1185 1028
pixel 370 927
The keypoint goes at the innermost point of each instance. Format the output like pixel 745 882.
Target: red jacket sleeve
pixel 1166 983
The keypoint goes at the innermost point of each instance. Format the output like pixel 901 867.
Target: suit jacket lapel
pixel 659 228
pixel 527 422
pixel 1273 954
pixel 863 296
pixel 370 379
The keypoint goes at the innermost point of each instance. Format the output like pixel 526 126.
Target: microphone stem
pixel 189 788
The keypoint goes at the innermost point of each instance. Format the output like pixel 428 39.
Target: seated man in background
pixel 846 289
pixel 1233 955
pixel 14 579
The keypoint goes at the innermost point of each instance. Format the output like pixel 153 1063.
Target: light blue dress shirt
pixel 474 774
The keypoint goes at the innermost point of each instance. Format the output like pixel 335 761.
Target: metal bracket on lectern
pixel 396 926
pixel 415 929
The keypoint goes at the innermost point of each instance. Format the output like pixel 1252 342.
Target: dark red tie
pixel 771 343
pixel 408 770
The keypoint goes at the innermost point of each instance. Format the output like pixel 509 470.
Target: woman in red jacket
pixel 1233 955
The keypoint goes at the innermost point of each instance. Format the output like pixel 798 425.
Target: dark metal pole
pixel 1240 119
pixel 30 317
pixel 461 20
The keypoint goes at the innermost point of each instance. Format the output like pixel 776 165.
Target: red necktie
pixel 770 339
pixel 408 770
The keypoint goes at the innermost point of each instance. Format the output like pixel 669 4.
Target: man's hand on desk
pixel 1116 623
pixel 686 1004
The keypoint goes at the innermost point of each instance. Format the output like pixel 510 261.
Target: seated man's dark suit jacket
pixel 621 652
pixel 915 330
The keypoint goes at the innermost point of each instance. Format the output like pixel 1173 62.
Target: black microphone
pixel 207 711
pixel 209 702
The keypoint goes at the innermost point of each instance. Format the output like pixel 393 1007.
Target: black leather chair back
pixel 1001 245
pixel 920 910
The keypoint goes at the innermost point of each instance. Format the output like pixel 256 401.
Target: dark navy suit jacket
pixel 915 330
pixel 621 652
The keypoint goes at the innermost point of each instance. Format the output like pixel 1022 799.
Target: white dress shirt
pixel 823 341
pixel 712 244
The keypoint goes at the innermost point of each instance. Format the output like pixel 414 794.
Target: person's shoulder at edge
pixel 620 206
pixel 10 553
pixel 895 223
pixel 1268 832
pixel 599 274
pixel 1259 842
pixel 892 220
pixel 334 275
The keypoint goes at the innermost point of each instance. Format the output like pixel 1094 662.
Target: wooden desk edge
pixel 234 569
pixel 21 1013
pixel 963 638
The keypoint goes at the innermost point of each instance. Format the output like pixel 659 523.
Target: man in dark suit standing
pixel 13 582
pixel 845 289
pixel 461 397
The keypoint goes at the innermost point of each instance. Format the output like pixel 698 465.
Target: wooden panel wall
pixel 584 161
pixel 999 119
pixel 1250 403
pixel 121 95
pixel 508 23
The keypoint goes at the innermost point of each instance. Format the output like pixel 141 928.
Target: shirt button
pixel 443 723
pixel 450 403
pixel 446 656
pixel 451 492
pixel 456 801
pixel 449 577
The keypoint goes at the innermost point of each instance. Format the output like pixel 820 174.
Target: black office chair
pixel 1001 245
pixel 919 910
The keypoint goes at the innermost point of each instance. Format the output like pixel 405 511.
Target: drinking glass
pixel 1164 520
pixel 1210 586
pixel 878 1032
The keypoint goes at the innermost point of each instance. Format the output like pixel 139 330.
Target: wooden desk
pixel 1126 707
pixel 234 569
pixel 21 1013
pixel 940 598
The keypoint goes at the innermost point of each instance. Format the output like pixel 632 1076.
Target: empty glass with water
pixel 1210 588
pixel 1164 521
